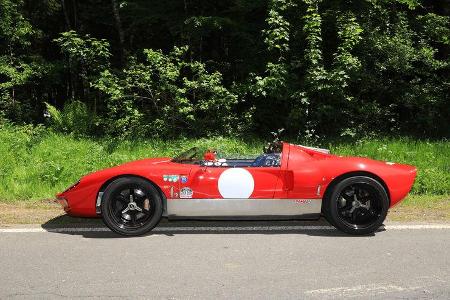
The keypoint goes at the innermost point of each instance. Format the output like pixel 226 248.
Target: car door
pixel 233 183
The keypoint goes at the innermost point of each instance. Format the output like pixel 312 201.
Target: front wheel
pixel 357 205
pixel 131 206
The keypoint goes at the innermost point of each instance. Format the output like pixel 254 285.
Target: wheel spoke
pixel 133 218
pixel 121 198
pixel 131 196
pixel 119 205
pixel 353 216
pixel 366 205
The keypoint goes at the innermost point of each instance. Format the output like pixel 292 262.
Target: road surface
pixel 211 260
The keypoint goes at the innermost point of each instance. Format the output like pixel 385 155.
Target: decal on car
pixel 171 178
pixel 183 179
pixel 303 201
pixel 237 183
pixel 186 193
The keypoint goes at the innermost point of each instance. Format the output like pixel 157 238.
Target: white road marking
pixel 417 226
pixel 220 228
pixel 33 230
pixel 361 290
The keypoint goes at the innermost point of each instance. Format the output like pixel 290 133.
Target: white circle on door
pixel 236 183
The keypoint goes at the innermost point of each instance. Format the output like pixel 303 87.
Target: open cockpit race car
pixel 287 181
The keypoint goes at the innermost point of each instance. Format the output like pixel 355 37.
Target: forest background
pixel 90 84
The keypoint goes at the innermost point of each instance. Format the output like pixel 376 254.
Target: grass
pixel 36 163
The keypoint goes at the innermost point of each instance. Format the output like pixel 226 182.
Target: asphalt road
pixel 248 262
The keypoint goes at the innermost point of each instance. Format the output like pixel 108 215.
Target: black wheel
pixel 131 206
pixel 357 205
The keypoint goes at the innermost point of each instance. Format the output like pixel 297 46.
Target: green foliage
pixel 436 28
pixel 74 118
pixel 15 29
pixel 313 36
pixel 318 68
pixel 18 71
pixel 37 163
pixel 277 40
pixel 405 74
pixel 272 89
pixel 87 57
pixel 165 95
pixel 50 173
pixel 91 53
pixel 345 63
pixel 277 35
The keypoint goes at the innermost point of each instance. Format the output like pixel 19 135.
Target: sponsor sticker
pixel 186 193
pixel 183 179
pixel 171 178
pixel 303 201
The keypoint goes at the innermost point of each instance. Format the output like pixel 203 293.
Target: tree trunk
pixel 70 85
pixel 75 14
pixel 119 28
pixel 66 15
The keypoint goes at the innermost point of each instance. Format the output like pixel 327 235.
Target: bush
pixel 74 118
pixel 165 95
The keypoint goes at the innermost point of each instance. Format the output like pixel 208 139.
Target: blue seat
pixel 267 160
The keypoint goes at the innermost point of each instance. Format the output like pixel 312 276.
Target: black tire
pixel 131 206
pixel 356 205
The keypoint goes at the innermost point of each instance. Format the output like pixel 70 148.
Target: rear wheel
pixel 131 206
pixel 357 205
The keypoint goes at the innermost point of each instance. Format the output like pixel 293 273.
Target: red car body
pixel 295 188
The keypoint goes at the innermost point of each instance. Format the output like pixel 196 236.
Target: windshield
pixel 190 155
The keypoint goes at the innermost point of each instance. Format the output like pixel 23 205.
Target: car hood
pixel 146 162
pixel 125 167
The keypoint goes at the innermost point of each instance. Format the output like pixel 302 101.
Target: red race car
pixel 285 182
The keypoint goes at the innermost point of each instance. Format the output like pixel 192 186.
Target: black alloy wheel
pixel 357 205
pixel 131 206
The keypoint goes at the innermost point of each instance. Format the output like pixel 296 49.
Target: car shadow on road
pixel 94 228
